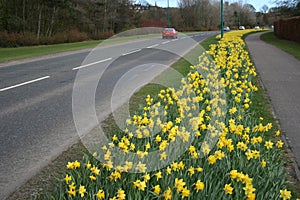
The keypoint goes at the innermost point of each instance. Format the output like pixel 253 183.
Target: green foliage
pixel 290 47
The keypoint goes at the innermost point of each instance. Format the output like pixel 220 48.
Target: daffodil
pixel 263 163
pixel 279 143
pixel 81 190
pixel 179 184
pixel 157 189
pixel 277 133
pixel 211 159
pixel 121 194
pixel 269 144
pixel 228 189
pixel 141 185
pixel 93 178
pixel 285 194
pixel 68 178
pixel 185 192
pixel 168 194
pixel 141 167
pixel 100 194
pixel 191 171
pixel 199 186
pixel 72 190
pixel 158 175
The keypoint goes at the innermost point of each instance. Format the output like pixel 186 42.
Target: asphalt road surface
pixel 38 98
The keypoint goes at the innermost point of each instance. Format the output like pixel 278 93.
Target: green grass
pixel 253 32
pixel 290 47
pixel 211 40
pixel 8 54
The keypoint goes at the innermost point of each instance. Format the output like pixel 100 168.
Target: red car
pixel 169 33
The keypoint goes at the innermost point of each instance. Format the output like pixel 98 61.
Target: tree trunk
pixel 50 29
pixel 23 17
pixel 39 20
pixel 105 16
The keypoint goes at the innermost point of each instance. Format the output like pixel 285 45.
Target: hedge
pixel 288 29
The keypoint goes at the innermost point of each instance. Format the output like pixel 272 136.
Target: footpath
pixel 280 75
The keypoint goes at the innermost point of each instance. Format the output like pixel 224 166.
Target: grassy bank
pixel 290 47
pixel 9 54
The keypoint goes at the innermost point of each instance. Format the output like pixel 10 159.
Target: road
pixel 36 97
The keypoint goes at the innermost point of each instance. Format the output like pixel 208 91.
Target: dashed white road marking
pixel 130 52
pixel 166 42
pixel 87 65
pixel 152 46
pixel 25 83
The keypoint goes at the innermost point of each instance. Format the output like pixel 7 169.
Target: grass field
pixel 290 47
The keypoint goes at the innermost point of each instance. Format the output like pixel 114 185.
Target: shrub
pixel 26 39
pixel 102 35
pixel 75 36
pixel 29 38
pixel 7 40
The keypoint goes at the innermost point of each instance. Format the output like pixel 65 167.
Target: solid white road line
pixel 130 52
pixel 25 83
pixel 87 65
pixel 152 46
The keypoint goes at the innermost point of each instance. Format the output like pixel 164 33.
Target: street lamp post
pixel 169 22
pixel 222 19
pixel 199 24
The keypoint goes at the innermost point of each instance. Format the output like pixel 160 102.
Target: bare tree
pixel 287 3
pixel 264 9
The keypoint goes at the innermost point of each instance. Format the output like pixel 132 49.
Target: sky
pixel 256 3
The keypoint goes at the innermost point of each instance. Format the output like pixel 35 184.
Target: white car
pixel 226 28
pixel 256 27
pixel 242 28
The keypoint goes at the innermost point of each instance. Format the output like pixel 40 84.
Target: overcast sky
pixel 256 3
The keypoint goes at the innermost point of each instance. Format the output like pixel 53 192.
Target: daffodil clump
pixel 200 141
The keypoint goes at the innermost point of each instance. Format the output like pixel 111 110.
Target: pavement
pixel 280 75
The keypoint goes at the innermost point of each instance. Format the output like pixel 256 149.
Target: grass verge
pixel 8 54
pixel 290 47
